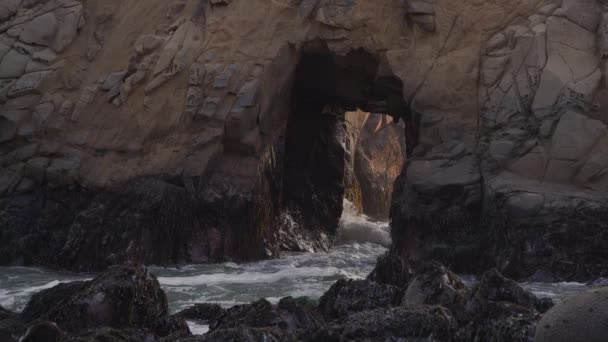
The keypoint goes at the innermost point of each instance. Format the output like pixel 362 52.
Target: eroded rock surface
pixel 503 104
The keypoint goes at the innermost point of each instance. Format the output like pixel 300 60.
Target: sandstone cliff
pixel 176 131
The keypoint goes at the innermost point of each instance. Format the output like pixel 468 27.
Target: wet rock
pixel 121 297
pixel 256 315
pixel 290 318
pixel 434 284
pixel 245 334
pixel 420 323
pixel 11 329
pixel 204 312
pixel 170 327
pixel 4 313
pixel 391 269
pixel 44 301
pixel 43 332
pixel 300 316
pixel 535 227
pixel 579 318
pixel 500 310
pixel 350 296
pixel 494 287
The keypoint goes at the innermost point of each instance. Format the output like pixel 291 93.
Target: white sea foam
pixel 252 277
pixel 360 228
pixel 198 328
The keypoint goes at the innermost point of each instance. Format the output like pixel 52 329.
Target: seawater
pixel 360 242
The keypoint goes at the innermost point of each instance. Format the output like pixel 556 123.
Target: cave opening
pixel 333 98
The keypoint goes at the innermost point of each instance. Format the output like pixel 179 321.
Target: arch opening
pixel 329 93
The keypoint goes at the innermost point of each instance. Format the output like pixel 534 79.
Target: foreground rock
pixel 422 322
pixel 123 296
pixel 124 303
pixel 580 318
pixel 499 309
pixel 433 306
pixel 346 297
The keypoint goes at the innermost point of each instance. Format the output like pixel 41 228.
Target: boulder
pixel 583 317
pixel 122 297
pixel 346 297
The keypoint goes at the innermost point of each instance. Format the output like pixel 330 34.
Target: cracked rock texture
pixel 503 102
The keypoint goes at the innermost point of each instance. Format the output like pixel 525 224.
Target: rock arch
pixel 505 139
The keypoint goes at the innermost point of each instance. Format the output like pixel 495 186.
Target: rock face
pixel 377 155
pixel 234 112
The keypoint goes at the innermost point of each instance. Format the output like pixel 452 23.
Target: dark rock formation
pixel 203 312
pixel 4 313
pixel 43 331
pixel 434 284
pixel 122 297
pixel 125 303
pixel 422 322
pixel 293 319
pixel 391 269
pixel 498 308
pixel 346 297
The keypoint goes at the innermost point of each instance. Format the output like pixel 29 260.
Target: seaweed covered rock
pixel 434 284
pixel 42 302
pixel 243 334
pixel 349 296
pixel 291 318
pixel 428 323
pixel 500 310
pixel 391 269
pixel 124 296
